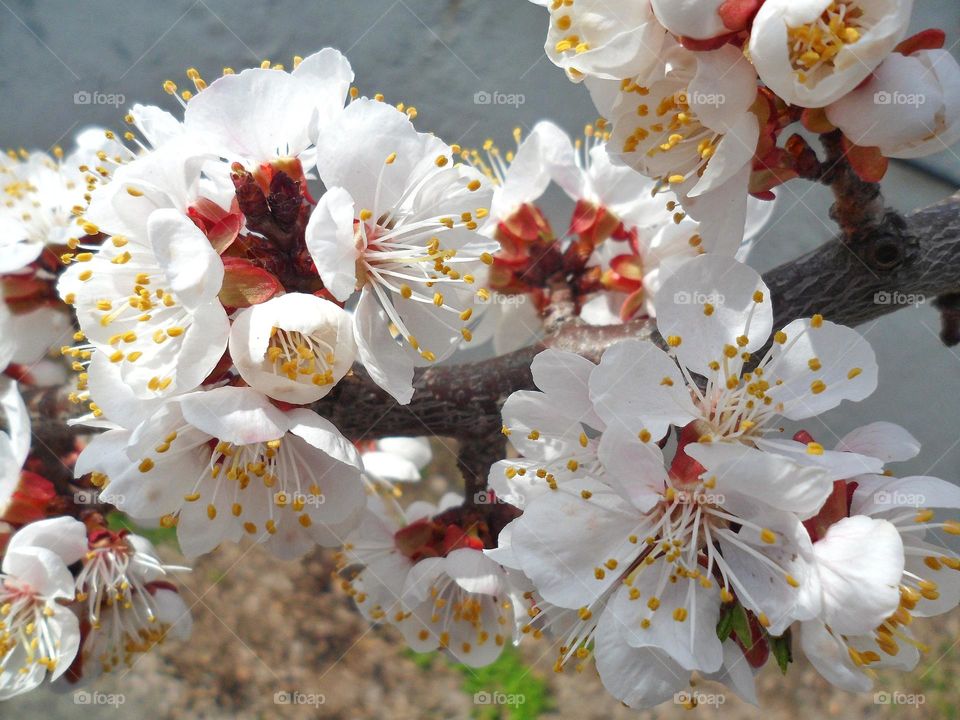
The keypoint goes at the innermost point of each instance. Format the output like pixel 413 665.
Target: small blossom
pixel 224 464
pixel 693 130
pixel 126 601
pixel 40 636
pixel 294 347
pixel 398 223
pixel 910 106
pixel 150 305
pixel 812 53
pixel 590 38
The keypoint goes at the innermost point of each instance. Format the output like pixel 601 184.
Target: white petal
pixel 638 677
pixel 693 643
pixel 16 419
pixel 883 440
pixel 565 378
pixel 42 570
pixel 390 467
pixel 321 434
pixel 639 387
pixel 332 243
pixel 879 493
pixel 561 539
pixel 475 572
pixel 728 287
pixel 416 450
pixel 634 468
pixel 65 536
pixel 773 479
pixel 256 116
pixel 389 365
pixel 831 658
pixel 191 265
pixel 846 368
pixel 241 416
pixel 860 562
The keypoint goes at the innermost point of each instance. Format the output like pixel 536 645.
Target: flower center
pixel 670 135
pixel 23 625
pixel 299 357
pixel 816 44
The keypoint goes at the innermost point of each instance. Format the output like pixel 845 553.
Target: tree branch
pixel 849 284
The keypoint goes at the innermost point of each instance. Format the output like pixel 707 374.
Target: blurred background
pixel 473 70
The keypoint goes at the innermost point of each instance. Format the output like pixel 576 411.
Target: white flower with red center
pixel 40 636
pixel 398 223
pixel 462 602
pixel 519 177
pixel 592 38
pixel 126 602
pixel 421 571
pixel 269 117
pixel 705 20
pixel 151 305
pixel 910 106
pixel 693 129
pixel 813 52
pixel 659 556
pixel 14 440
pixel 225 464
pixel 294 347
pixel 880 565
pixel 615 202
pixel 381 557
pixel 714 314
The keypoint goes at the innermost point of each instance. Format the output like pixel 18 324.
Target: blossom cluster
pixel 624 232
pixel 702 564
pixel 234 270
pixel 699 91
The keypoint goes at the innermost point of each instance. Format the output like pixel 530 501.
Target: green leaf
pixel 741 624
pixel 725 625
pixel 782 650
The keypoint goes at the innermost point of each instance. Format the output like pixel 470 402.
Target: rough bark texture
pixel 849 283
